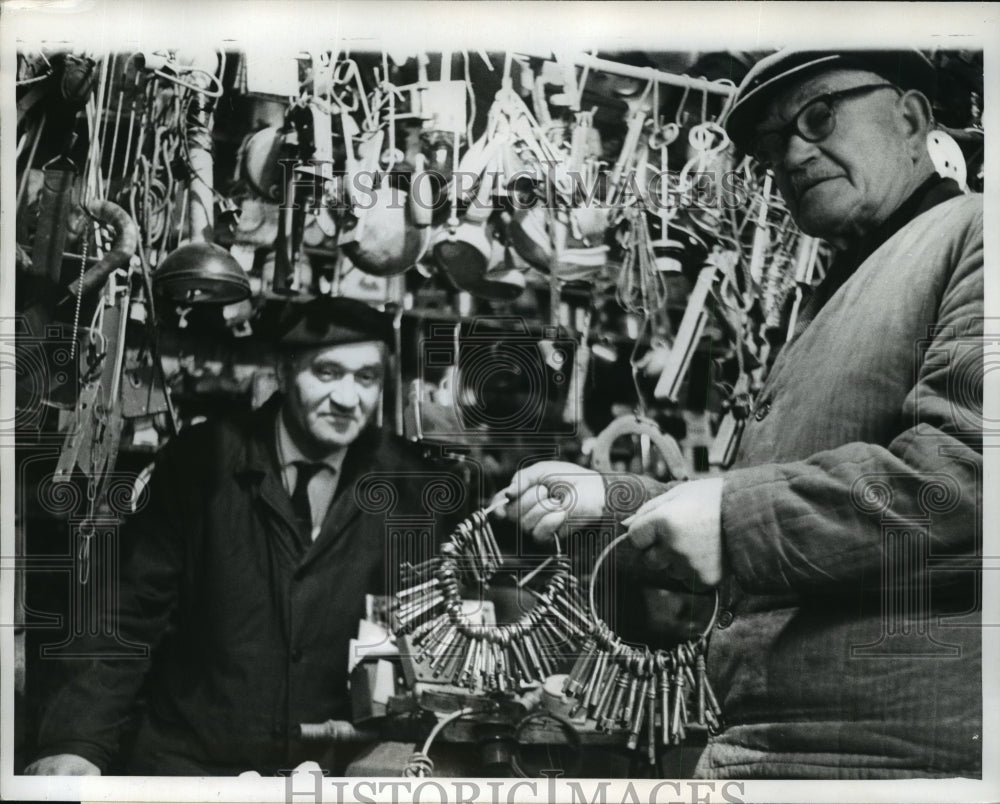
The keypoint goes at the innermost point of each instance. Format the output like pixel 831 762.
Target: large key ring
pixel 676 680
pixel 434 601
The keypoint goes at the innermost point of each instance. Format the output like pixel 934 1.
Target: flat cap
pixel 906 68
pixel 326 321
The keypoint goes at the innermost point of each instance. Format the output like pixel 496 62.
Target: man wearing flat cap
pixel 248 571
pixel 843 541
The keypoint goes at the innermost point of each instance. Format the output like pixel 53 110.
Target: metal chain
pixel 79 295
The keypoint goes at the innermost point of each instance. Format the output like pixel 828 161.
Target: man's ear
pixel 916 120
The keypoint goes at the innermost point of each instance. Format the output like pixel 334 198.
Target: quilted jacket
pixel 848 644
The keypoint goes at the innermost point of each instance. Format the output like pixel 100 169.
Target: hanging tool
pixel 122 248
pixel 286 242
pixel 95 428
pixel 688 335
pixel 55 203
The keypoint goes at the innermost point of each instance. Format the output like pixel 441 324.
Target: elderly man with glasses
pixel 843 541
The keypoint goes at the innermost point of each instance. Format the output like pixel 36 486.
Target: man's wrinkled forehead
pixel 788 101
pixel 359 354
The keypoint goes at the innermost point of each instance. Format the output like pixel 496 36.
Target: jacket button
pixel 296 655
pixel 762 410
pixel 725 619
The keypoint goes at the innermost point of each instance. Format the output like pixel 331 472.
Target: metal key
pixel 408 617
pixel 466 670
pixel 519 661
pixel 426 630
pixel 611 715
pixel 651 718
pixel 413 590
pixel 607 694
pixel 664 667
pixel 430 645
pixel 531 653
pixel 581 668
pixel 701 682
pixel 636 722
pixel 586 689
pixel 630 699
pixel 453 663
pixel 596 676
pixel 680 709
pixel 444 651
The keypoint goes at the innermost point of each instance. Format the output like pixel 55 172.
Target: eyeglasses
pixel 813 122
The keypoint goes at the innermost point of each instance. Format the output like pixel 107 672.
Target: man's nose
pixel 344 392
pixel 798 151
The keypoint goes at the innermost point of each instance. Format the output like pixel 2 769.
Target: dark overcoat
pixel 246 625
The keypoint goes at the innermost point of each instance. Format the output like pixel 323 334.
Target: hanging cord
pixel 572 739
pixel 633 362
pixel 640 287
pixel 173 77
pixel 92 180
pixel 471 95
pixel 420 764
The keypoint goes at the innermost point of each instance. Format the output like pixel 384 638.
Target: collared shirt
pixel 323 484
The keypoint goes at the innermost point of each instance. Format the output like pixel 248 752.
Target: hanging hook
pixel 645 94
pixel 656 105
pixel 680 106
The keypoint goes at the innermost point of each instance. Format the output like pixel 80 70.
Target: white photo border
pixel 526 27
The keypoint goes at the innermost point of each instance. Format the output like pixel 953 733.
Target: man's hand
pixel 543 496
pixel 681 532
pixel 62 765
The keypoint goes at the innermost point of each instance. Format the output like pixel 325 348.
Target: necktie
pixel 300 497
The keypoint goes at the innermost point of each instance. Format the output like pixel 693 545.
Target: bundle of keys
pixel 471 550
pixel 652 696
pixel 447 646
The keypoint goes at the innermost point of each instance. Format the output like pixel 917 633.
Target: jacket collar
pixel 259 455
pixel 936 190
